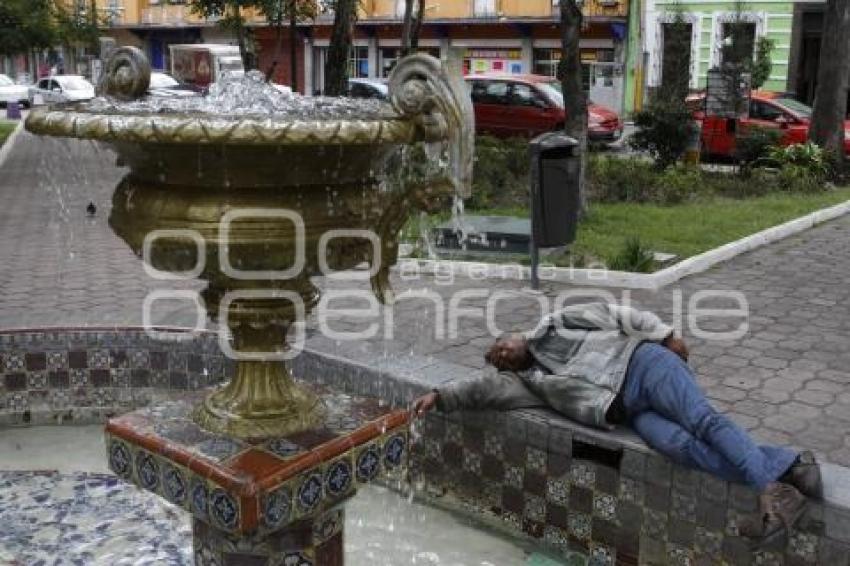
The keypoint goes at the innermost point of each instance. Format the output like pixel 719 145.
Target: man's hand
pixel 677 346
pixel 425 403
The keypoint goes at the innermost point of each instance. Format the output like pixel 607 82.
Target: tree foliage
pixel 763 64
pixel 25 25
pixel 664 129
pixel 41 24
pixel 280 13
pixel 231 17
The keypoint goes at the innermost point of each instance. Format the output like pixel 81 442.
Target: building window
pixel 739 39
pixel 358 64
pixel 484 8
pixel 675 50
pixel 546 62
pixel 390 56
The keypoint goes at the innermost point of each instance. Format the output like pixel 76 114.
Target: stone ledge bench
pixel 590 496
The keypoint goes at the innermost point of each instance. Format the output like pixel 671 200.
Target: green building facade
pixel 709 24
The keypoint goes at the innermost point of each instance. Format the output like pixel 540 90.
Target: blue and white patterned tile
pixel 310 492
pixel 338 478
pixel 368 464
pixel 277 508
pixel 57 519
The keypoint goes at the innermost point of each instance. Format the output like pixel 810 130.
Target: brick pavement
pixel 787 380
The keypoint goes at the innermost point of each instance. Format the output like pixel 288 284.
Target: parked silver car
pixel 11 92
pixel 61 88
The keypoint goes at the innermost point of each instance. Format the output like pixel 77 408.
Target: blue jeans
pixel 669 411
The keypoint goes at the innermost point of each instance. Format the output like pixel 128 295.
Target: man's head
pixel 510 353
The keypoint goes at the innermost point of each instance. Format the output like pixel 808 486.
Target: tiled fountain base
pixel 594 497
pixel 264 503
pixel 50 376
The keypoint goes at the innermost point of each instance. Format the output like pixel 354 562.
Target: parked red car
pixel 767 110
pixel 529 105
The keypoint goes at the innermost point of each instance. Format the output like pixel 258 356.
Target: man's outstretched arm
pixel 491 390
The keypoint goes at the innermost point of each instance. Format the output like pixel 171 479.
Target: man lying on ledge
pixel 605 365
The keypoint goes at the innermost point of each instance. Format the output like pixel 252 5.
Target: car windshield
pixel 795 107
pixel 5 81
pixel 161 80
pixel 73 83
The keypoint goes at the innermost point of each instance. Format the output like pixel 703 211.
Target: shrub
pixel 501 173
pixel 636 180
pixel 755 145
pixel 619 180
pixel 632 257
pixel 664 129
pixel 799 179
pixel 759 182
pixel 677 184
pixel 808 156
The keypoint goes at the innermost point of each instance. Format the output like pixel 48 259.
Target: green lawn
pixel 6 129
pixel 687 229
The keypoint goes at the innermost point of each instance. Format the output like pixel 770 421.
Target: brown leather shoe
pixel 804 474
pixel 780 507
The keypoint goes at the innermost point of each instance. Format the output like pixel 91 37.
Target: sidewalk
pixel 787 380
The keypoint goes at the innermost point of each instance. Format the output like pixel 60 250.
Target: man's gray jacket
pixel 581 355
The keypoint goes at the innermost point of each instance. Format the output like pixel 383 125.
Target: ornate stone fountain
pixel 255 201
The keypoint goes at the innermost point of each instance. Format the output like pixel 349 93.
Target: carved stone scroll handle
pixel 126 74
pixel 422 89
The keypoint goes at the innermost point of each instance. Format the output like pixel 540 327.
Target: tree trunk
pixel 830 108
pixel 407 28
pixel 575 100
pixel 339 52
pixel 278 23
pixel 417 26
pixel 293 45
pixel 240 37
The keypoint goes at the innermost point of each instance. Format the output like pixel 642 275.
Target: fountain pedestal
pixel 265 502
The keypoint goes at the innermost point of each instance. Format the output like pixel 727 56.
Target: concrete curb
pixel 622 279
pixel 10 141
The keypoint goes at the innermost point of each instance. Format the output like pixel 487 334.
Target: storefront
pixel 602 74
pixel 485 47
pixel 493 60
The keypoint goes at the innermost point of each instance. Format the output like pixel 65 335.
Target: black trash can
pixel 555 198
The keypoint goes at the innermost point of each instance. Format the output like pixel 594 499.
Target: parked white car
pixel 11 92
pixel 167 86
pixel 61 88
